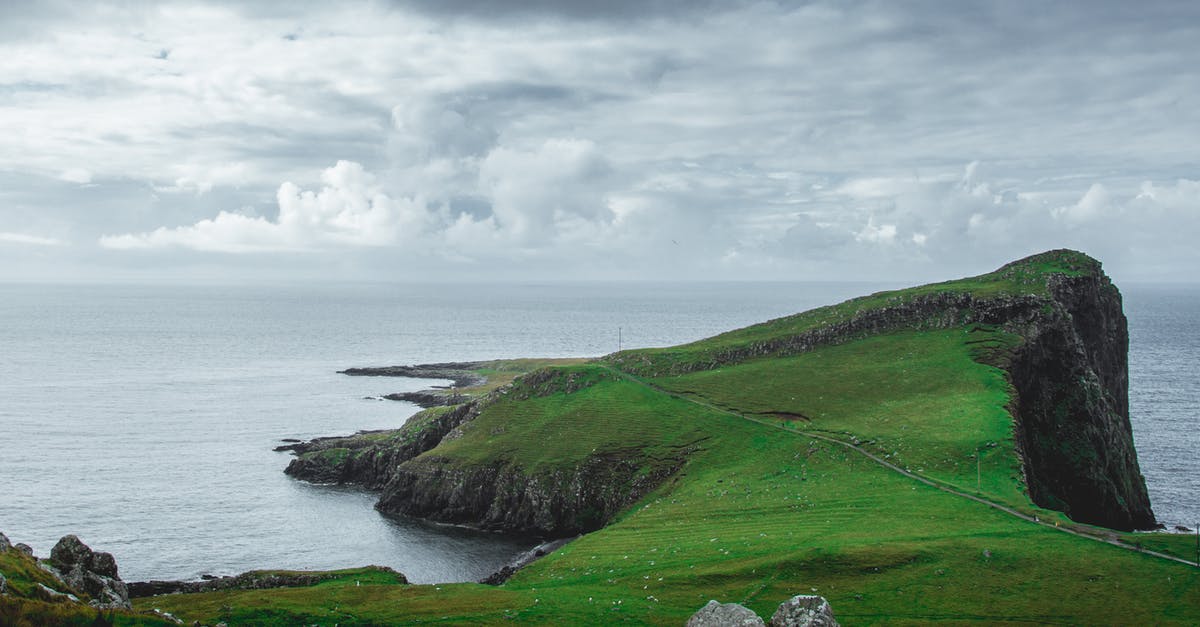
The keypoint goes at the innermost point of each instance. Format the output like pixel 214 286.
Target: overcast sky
pixel 453 140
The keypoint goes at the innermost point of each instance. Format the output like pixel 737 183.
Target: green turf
pixel 917 399
pixel 606 414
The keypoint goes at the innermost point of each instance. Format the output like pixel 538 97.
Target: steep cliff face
pixel 494 490
pixel 1072 407
pixel 505 497
pixel 371 459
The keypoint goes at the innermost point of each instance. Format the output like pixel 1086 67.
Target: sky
pixel 465 140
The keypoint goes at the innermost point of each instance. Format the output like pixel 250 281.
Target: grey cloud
pixel 612 10
pixel 726 134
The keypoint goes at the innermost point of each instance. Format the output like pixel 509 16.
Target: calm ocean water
pixel 142 418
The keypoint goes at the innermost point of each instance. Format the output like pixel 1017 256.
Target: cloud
pixel 615 10
pixel 349 210
pixel 537 198
pixel 877 234
pixel 537 192
pixel 76 175
pixel 27 239
pixel 1094 204
pixel 732 140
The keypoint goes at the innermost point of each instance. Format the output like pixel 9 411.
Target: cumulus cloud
pixel 534 192
pixel 1094 204
pixel 350 209
pixel 555 192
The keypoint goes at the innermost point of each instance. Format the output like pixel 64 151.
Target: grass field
pixel 759 514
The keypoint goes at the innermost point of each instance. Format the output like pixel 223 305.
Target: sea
pixel 143 418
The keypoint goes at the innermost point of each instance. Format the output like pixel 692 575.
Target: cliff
pixel 529 457
pixel 1067 365
pixel 435 466
pixel 1072 406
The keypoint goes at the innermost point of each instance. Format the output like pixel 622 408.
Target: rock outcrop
pixel 462 373
pixel 1072 407
pixel 429 398
pixel 804 610
pixel 799 611
pixel 370 459
pixel 253 580
pixel 716 614
pixel 505 497
pixel 92 572
pixel 496 496
pixel 523 560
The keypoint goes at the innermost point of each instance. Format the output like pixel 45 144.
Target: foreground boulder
pixel 804 610
pixel 724 615
pixel 91 572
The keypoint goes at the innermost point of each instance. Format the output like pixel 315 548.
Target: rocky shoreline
pixel 253 580
pixel 495 496
pixel 462 373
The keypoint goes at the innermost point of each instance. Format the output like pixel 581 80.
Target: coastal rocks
pixel 524 560
pixel 253 580
pixel 3 584
pixel 5 544
pixel 370 459
pixel 91 572
pixel 42 592
pixel 429 398
pixel 724 615
pixel 804 610
pixel 461 373
pixel 504 497
pixel 799 611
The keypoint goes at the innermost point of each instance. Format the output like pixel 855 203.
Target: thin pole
pixel 1197 544
pixel 978 471
pixel 618 339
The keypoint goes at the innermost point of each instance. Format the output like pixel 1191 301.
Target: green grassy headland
pixel 762 508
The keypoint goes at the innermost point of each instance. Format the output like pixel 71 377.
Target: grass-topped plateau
pixel 890 453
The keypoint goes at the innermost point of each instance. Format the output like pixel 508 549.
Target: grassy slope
pixel 915 398
pixel 605 415
pixel 762 512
